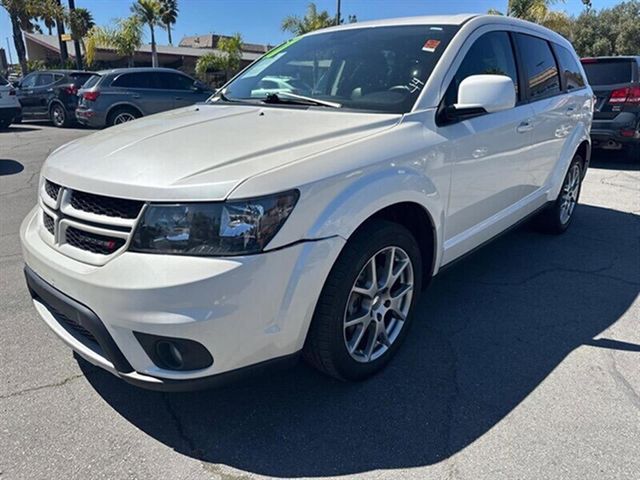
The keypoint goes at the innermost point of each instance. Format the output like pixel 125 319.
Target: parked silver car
pixel 116 96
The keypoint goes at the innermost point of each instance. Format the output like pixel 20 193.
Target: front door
pixel 490 152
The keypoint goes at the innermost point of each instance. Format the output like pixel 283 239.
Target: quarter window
pixel 569 69
pixel 492 53
pixel 540 66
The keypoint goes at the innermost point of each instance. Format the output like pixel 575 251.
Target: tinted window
pixel 44 79
pixel 80 78
pixel 134 80
pixel 490 54
pixel 3 81
pixel 173 81
pixel 569 68
pixel 92 81
pixel 540 66
pixel 381 69
pixel 29 81
pixel 608 72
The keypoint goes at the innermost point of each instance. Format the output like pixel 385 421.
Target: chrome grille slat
pixel 88 227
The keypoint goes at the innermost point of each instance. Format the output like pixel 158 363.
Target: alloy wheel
pixel 123 118
pixel 58 116
pixel 569 194
pixel 378 304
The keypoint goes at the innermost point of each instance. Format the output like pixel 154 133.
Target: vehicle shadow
pixel 10 167
pixel 18 128
pixel 613 160
pixel 488 332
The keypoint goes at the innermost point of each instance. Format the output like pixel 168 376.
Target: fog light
pixel 174 353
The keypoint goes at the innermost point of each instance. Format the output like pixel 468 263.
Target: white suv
pixel 198 244
pixel 9 104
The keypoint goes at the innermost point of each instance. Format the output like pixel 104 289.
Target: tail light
pixel 71 90
pixel 91 96
pixel 625 95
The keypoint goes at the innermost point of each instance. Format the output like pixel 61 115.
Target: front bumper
pixel 245 310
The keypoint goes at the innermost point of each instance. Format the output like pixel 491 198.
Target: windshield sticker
pixel 415 85
pixel 430 45
pixel 282 46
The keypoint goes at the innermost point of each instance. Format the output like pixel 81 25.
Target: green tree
pixel 23 14
pixel 226 60
pixel 125 38
pixel 610 31
pixel 80 22
pixel 313 20
pixel 50 13
pixel 169 15
pixel 149 12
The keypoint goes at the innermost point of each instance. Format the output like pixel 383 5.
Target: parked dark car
pixel 116 96
pixel 51 94
pixel 616 119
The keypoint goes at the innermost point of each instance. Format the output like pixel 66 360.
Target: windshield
pixel 608 72
pixel 381 69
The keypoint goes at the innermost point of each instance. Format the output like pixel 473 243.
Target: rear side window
pixel 173 81
pixel 93 80
pixel 608 72
pixel 44 79
pixel 540 66
pixel 569 69
pixel 134 80
pixel 492 53
pixel 80 78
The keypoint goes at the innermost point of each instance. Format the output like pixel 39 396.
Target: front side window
pixel 569 68
pixel 29 81
pixel 540 66
pixel 173 81
pixel 381 69
pixel 491 54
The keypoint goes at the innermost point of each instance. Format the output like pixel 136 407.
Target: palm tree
pixel 125 39
pixel 22 14
pixel 313 20
pixel 80 23
pixel 168 15
pixel 149 12
pixel 50 12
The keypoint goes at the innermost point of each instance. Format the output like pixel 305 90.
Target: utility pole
pixel 76 42
pixel 64 53
pixel 9 51
pixel 337 12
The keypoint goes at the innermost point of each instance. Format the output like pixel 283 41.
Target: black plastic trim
pixel 220 379
pixel 54 298
pixel 195 356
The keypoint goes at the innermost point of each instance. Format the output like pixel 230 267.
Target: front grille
pixel 71 325
pixel 92 242
pixel 108 206
pixel 49 224
pixel 52 189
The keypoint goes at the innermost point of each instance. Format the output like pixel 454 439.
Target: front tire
pixel 366 305
pixel 558 216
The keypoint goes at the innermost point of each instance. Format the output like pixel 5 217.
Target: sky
pixel 259 20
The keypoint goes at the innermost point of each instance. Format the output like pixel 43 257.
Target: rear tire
pixel 556 218
pixel 58 116
pixel 122 115
pixel 359 323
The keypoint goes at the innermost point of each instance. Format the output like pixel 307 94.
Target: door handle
pixel 178 98
pixel 135 96
pixel 524 127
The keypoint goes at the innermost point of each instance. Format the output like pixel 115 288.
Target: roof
pixel 136 69
pixel 457 19
pixel 51 42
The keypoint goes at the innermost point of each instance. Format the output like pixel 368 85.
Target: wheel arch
pixel 118 105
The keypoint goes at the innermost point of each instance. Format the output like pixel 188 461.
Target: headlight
pixel 213 229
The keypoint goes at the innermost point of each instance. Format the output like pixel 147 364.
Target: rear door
pixel 553 110
pixel 490 150
pixel 142 90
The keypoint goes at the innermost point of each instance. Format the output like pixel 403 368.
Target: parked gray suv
pixel 124 94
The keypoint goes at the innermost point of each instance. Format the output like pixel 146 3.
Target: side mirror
pixel 198 87
pixel 485 94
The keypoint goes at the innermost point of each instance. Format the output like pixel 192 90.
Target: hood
pixel 202 152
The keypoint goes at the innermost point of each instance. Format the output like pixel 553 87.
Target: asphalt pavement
pixel 523 362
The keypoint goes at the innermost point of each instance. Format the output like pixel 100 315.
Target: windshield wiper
pixel 294 98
